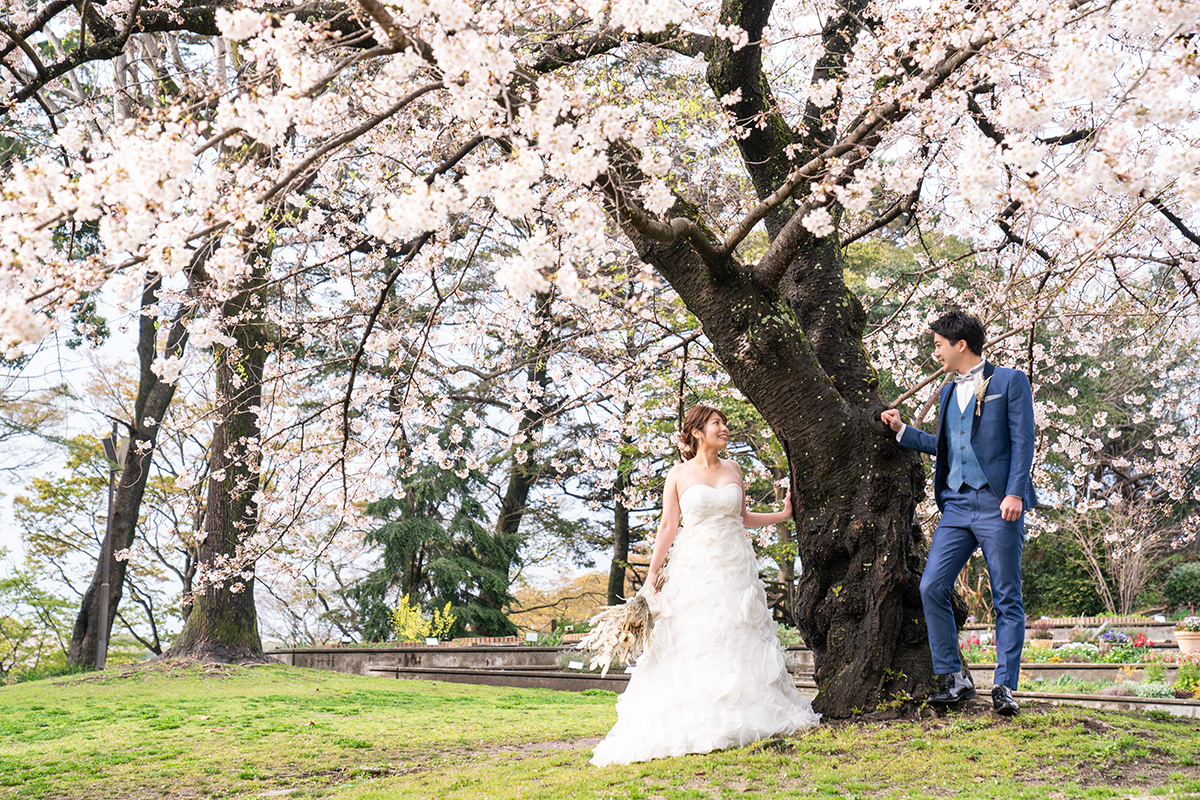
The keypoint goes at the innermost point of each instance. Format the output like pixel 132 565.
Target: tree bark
pixel 223 623
pixel 153 399
pixel 522 475
pixel 621 542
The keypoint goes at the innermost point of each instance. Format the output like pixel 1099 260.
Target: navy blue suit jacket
pixel 1002 436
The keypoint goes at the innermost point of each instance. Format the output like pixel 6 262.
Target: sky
pixel 25 457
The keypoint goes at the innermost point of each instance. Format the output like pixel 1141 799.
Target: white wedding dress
pixel 713 674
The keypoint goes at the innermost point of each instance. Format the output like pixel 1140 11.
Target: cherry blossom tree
pixel 309 163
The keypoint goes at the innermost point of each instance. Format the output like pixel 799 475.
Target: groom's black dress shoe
pixel 1003 702
pixel 952 688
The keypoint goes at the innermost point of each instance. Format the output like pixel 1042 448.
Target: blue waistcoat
pixel 964 466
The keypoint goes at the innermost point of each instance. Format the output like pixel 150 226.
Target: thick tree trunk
pixel 855 489
pixel 153 399
pixel 223 623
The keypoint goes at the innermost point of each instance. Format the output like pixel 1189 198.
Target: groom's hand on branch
pixel 1010 508
pixel 891 418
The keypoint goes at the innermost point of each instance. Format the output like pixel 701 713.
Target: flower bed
pixel 1067 684
pixel 1143 660
pixel 1070 653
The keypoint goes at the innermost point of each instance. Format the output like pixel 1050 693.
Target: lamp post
pixel 115 447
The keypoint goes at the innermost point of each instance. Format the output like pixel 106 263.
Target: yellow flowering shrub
pixel 410 625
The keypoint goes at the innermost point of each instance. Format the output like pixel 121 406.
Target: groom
pixel 984 453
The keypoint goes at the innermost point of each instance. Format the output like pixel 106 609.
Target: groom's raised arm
pixel 908 435
pixel 916 439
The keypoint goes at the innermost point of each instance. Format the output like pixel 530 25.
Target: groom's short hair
pixel 956 325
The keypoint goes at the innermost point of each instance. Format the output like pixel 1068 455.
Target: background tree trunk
pixel 506 543
pixel 153 399
pixel 223 622
pixel 616 573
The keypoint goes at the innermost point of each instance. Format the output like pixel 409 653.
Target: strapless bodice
pixel 701 503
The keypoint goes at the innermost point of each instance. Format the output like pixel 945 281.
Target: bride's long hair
pixel 694 420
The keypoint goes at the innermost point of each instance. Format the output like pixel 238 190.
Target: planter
pixel 1040 644
pixel 1189 641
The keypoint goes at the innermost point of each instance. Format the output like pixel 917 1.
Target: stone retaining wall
pixel 359 660
pixel 1158 632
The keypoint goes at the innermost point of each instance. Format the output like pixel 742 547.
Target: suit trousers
pixel 970 519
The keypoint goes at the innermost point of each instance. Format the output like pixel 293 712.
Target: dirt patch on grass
pixel 159 667
pixel 545 747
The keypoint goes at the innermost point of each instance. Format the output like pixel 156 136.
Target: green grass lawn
pixel 189 731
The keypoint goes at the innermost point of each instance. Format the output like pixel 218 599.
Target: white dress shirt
pixel 963 392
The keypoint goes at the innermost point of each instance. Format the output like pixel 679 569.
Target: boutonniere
pixel 981 395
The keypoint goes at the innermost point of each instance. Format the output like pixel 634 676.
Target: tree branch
pixel 763 136
pixel 623 172
pixel 29 52
pixel 564 53
pixel 902 207
pixel 1175 220
pixel 865 136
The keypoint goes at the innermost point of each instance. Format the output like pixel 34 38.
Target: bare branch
pixel 1175 220
pixel 562 53
pixel 348 136
pixel 28 50
pixel 902 207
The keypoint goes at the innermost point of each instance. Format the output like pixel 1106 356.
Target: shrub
pixel 789 637
pixel 1135 689
pixel 1153 689
pixel 1182 587
pixel 1040 656
pixel 1187 679
pixel 1083 652
pixel 975 653
pixel 1068 684
pixel 1156 666
pixel 567 625
pixel 1125 654
pixel 1081 634
pixel 1055 581
pixel 410 625
pixel 1041 630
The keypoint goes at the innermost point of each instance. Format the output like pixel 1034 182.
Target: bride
pixel 712 675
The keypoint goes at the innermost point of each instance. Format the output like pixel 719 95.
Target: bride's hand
pixel 652 580
pixel 787 502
